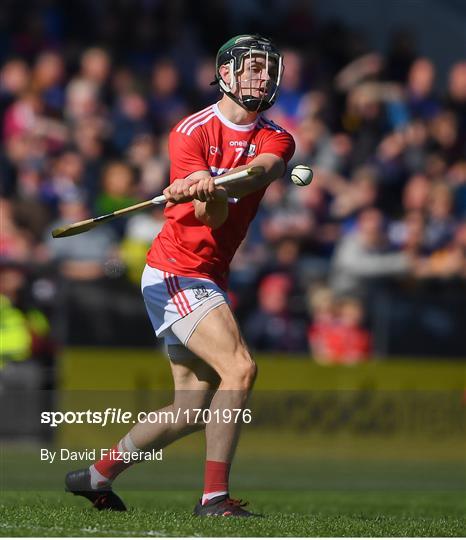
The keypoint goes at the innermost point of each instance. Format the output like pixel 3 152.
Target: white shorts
pixel 170 298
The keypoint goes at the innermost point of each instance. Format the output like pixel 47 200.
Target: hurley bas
pixel 66 454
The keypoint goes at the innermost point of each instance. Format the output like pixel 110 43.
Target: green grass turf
pixel 273 461
pixel 288 513
pixel 306 485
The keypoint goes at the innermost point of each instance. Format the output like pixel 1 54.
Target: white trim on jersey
pixel 195 120
pixel 204 120
pixel 231 125
pixel 184 124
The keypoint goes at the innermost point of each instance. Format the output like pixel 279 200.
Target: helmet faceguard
pixel 258 91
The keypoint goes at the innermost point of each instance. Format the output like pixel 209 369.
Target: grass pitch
pixel 288 513
pixel 305 486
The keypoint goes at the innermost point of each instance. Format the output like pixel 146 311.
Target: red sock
pixel 109 466
pixel 215 478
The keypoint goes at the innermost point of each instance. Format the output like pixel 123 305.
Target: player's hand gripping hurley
pixel 88 224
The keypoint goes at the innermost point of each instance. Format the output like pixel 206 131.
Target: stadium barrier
pixel 291 394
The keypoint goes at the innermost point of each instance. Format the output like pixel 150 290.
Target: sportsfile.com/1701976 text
pixel 113 415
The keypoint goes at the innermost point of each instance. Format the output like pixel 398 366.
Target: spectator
pixel 415 151
pixel 391 171
pixel 447 262
pixel 457 180
pixel 117 191
pixel 14 81
pixel 14 78
pixel 123 81
pixel 66 176
pixel 151 161
pixel 95 68
pixel 89 140
pixel 444 136
pixel 81 100
pixel 315 145
pixel 130 120
pixel 416 193
pixel 272 327
pixel 286 111
pixel 365 254
pixel 336 335
pixel 81 257
pixel 16 243
pixel 353 341
pixel 440 220
pixel 456 95
pixel 360 193
pixel 421 100
pixel 139 233
pixel 47 80
pixel 167 105
pixel 204 93
pixel 321 304
pixel 22 117
pixel 26 339
pixel 408 234
pixel 284 219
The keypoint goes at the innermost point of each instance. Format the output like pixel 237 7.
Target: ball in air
pixel 302 175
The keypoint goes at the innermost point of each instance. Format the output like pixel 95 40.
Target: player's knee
pixel 250 371
pixel 242 371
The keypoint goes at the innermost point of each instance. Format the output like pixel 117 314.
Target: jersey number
pixel 239 153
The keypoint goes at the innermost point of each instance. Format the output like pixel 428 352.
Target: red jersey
pixel 207 141
pixel 338 344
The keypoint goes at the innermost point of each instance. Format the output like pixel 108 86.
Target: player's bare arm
pixel 213 212
pixel 210 201
pixel 274 168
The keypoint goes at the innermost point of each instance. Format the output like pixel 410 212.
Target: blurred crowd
pixel 84 118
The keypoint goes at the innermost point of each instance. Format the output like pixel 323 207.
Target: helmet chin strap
pixel 250 103
pixel 254 104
